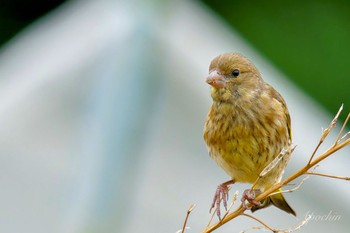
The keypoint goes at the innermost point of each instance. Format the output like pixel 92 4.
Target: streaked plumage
pixel 248 124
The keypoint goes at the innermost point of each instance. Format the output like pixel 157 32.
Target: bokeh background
pixel 102 106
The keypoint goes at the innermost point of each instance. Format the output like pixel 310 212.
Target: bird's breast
pixel 244 140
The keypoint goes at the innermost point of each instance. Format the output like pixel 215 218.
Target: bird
pixel 248 125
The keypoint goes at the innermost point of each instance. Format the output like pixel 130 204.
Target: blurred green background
pixel 102 105
pixel 308 40
pixel 17 14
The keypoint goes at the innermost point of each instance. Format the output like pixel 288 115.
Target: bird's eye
pixel 235 73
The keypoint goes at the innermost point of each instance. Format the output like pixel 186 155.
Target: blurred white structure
pixel 102 106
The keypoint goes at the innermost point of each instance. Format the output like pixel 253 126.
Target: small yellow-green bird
pixel 247 127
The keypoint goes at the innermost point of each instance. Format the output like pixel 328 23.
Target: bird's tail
pixel 278 201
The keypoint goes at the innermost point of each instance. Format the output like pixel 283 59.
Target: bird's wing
pixel 277 96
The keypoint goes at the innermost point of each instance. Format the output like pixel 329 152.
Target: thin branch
pixel 187 215
pixel 212 216
pixel 296 187
pixel 345 135
pixel 260 221
pixel 333 123
pixel 306 220
pixel 316 149
pixel 326 132
pixel 263 227
pixel 302 171
pixel 232 215
pixel 342 129
pixel 254 228
pixel 232 203
pixel 293 189
pixel 329 176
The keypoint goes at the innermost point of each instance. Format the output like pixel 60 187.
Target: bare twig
pixel 261 222
pixel 345 135
pixel 263 227
pixel 340 143
pixel 329 176
pixel 293 189
pixel 212 217
pixel 232 203
pixel 253 228
pixel 326 132
pixel 316 149
pixel 306 220
pixel 342 129
pixel 187 215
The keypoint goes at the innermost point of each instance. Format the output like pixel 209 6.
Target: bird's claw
pixel 250 195
pixel 220 194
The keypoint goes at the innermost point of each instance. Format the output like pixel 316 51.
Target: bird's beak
pixel 216 80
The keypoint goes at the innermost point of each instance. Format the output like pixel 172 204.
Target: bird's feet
pixel 221 194
pixel 250 195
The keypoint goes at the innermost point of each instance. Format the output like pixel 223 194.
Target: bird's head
pixel 231 75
